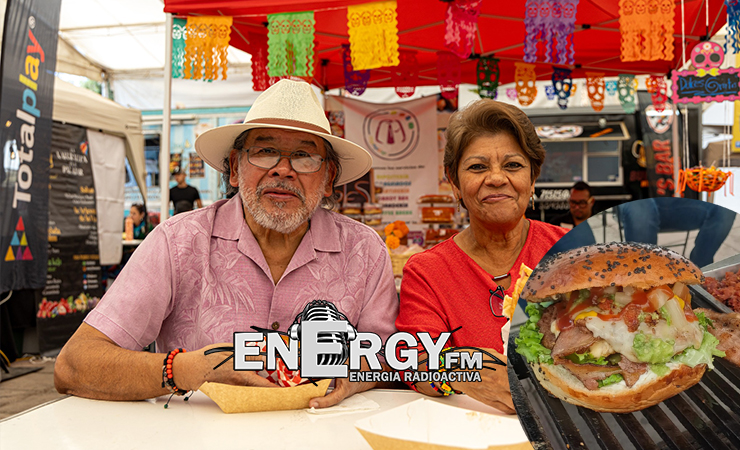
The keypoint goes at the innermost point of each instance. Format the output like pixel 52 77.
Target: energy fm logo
pixel 330 347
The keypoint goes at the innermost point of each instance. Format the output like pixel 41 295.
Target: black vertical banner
pixel 73 280
pixel 657 137
pixel 26 100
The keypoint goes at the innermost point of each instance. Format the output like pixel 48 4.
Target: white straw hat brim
pixel 286 105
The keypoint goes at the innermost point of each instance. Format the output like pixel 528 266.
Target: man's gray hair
pixel 332 158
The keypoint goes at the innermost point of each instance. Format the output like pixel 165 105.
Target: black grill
pixel 706 416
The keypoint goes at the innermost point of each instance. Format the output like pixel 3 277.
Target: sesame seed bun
pixel 614 264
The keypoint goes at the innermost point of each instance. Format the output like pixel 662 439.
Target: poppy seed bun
pixel 614 264
pixel 648 391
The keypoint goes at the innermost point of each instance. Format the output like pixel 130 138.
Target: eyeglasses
pixel 498 294
pixel 300 160
pixel 581 203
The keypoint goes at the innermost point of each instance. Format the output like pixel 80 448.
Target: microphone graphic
pixel 324 311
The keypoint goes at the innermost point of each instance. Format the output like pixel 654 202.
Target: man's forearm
pixel 92 366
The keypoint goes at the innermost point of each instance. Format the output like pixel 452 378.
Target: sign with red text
pixel 657 137
pixel 402 137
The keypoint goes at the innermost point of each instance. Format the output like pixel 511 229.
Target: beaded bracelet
pixel 444 387
pixel 168 380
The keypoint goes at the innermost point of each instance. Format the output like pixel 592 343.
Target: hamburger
pixel 611 326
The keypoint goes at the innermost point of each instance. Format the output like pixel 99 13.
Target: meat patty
pixel 573 340
pixel 631 371
pixel 589 374
pixel 727 330
pixel 548 316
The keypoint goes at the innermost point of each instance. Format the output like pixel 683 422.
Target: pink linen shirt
pixel 201 276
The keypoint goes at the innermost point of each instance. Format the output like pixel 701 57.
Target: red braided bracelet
pixel 168 380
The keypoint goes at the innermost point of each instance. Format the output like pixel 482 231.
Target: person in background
pixel 492 157
pixel 576 220
pixel 183 191
pixel 256 259
pixel 581 206
pixel 142 226
pixel 183 206
pixel 643 219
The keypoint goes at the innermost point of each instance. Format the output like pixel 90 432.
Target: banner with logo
pixel 26 100
pixel 657 138
pixel 73 284
pixel 402 137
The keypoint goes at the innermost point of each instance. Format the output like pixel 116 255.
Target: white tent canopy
pixel 84 108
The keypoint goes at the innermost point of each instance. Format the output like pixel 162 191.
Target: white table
pixel 78 423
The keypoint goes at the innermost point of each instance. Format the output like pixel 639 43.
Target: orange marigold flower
pixel 391 241
pixel 389 229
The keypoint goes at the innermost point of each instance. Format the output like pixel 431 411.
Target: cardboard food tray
pixel 429 425
pixel 239 399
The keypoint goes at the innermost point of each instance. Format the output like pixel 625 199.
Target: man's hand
pixel 493 389
pixel 343 388
pixel 192 369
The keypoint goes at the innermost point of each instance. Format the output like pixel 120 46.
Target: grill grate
pixel 706 416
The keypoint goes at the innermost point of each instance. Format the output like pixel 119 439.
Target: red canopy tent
pixel 421 27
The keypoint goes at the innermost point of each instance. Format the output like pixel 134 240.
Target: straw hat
pixel 287 105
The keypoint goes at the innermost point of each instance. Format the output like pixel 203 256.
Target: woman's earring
pixel 532 197
pixel 458 205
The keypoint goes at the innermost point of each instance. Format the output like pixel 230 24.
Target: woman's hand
pixel 191 369
pixel 493 389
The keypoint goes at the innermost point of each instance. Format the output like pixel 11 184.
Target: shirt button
pixel 275 325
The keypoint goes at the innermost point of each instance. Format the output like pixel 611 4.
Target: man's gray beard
pixel 281 221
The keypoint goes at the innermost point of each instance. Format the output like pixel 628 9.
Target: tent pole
pixel 677 146
pixel 164 141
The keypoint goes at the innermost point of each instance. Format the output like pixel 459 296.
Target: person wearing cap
pixel 255 259
pixel 183 194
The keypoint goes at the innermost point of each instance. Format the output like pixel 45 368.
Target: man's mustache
pixel 281 185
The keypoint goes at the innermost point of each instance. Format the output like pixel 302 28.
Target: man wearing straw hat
pixel 256 259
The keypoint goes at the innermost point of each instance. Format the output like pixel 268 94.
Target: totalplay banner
pixel 402 137
pixel 26 100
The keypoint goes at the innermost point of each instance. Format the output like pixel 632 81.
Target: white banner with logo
pixel 402 137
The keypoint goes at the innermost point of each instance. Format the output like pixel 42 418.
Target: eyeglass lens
pixel 301 161
pixel 579 202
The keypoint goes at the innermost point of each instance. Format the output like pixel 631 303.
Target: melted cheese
pixel 681 303
pixel 616 334
pixel 585 314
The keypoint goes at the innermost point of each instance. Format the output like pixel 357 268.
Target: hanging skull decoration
pixel 707 57
pixel 406 75
pixel 657 88
pixel 526 87
pixel 627 88
pixel 487 72
pixel 355 81
pixel 611 87
pixel 595 86
pixel 448 73
pixel 550 92
pixel 563 84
